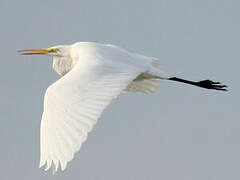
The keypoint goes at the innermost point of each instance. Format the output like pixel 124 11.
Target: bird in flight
pixel 93 74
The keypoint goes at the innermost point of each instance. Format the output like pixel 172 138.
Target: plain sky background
pixel 178 133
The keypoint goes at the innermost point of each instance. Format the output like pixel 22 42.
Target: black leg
pixel 208 84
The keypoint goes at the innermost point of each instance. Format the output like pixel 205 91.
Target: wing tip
pixel 55 166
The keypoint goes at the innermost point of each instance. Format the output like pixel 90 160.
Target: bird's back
pixel 148 81
pixel 88 53
pixel 102 53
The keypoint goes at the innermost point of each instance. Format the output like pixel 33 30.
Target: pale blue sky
pixel 180 132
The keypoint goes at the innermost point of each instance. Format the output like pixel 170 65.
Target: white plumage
pixel 93 75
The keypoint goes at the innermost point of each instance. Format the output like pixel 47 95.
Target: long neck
pixel 62 65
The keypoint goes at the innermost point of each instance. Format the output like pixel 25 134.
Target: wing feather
pixel 72 106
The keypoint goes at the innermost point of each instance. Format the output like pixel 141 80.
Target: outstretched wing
pixel 72 106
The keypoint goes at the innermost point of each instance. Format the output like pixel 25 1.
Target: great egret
pixel 93 75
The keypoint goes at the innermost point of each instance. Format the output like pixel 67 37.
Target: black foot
pixel 208 84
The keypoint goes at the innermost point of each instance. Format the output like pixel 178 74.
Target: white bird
pixel 93 74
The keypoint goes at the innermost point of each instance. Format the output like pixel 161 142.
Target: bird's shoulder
pixel 94 44
pixel 98 47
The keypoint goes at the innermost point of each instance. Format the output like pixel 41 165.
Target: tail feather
pixel 143 85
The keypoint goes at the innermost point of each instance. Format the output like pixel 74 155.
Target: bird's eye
pixel 53 50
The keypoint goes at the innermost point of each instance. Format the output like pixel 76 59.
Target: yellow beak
pixel 36 51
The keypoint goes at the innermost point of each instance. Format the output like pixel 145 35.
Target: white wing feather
pixel 72 106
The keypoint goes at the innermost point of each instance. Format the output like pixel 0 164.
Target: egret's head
pixel 53 51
